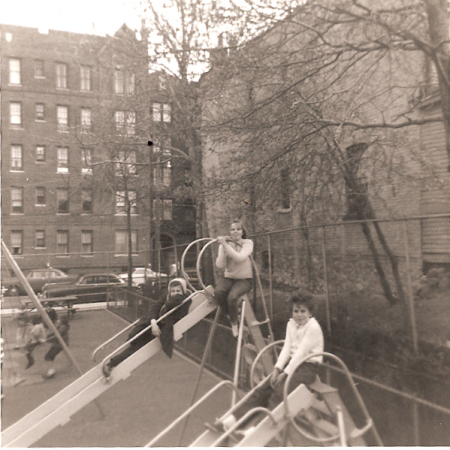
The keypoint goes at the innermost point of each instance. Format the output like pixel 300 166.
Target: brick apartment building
pixel 77 112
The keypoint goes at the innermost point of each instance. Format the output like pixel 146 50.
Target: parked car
pixel 87 288
pixel 37 279
pixel 139 275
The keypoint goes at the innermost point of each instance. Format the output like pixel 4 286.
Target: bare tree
pixel 323 79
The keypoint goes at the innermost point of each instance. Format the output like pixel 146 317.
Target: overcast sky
pixel 81 16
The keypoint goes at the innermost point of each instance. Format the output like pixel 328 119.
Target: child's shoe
pixel 235 330
pixel 216 427
pixel 49 374
pixel 30 361
pixel 106 369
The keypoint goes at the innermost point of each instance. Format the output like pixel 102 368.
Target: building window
pixel 40 153
pixel 17 242
pixel 162 174
pixel 15 113
pixel 62 241
pixel 16 157
pixel 125 122
pixel 125 163
pixel 122 241
pixel 85 78
pixel 62 154
pixel 124 82
pixel 17 200
pixel 40 239
pixel 86 241
pixel 86 201
pixel 14 71
pixel 167 174
pixel 121 203
pixel 162 82
pixel 86 160
pixel 39 68
pixel 356 194
pixel 62 116
pixel 166 212
pixel 285 201
pixel 167 209
pixel 161 112
pixel 86 119
pixel 40 196
pixel 61 76
pixel 62 196
pixel 40 111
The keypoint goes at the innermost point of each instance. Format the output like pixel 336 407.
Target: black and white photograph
pixel 225 223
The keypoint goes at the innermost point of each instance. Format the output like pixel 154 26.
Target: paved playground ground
pixel 135 410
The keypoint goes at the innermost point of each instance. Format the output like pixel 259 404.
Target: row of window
pixel 63 203
pixel 125 164
pixel 124 81
pixel 125 121
pixel 62 241
pixel 62 115
pixel 62 158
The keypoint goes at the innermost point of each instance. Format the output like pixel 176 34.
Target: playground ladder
pixel 58 409
pixel 259 342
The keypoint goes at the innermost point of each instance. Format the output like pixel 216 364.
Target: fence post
pixel 269 250
pixel 412 315
pixel 416 422
pixel 327 298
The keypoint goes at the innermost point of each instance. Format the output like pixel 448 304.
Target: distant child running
pixel 22 327
pixel 38 336
pixel 177 293
pixel 63 327
pixel 234 257
pixel 303 337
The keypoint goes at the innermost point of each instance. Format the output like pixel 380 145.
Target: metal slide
pixel 58 410
pixel 308 416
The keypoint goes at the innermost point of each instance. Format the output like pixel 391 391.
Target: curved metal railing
pixel 190 410
pixel 357 432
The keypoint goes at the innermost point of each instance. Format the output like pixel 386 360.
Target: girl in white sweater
pixel 234 257
pixel 303 337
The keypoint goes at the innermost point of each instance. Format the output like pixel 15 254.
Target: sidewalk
pixel 135 409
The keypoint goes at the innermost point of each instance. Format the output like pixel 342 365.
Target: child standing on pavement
pixel 37 337
pixel 63 327
pixel 303 337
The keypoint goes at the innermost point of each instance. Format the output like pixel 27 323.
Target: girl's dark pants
pixel 269 397
pixel 227 293
pixel 131 348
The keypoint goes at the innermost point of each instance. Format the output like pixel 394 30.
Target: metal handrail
pixel 199 259
pixel 183 256
pixel 102 346
pixel 369 422
pixel 258 357
pixel 189 410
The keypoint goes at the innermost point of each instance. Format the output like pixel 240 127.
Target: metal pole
pixel 238 354
pixel 270 277
pixel 416 422
pixel 200 372
pixel 410 293
pixel 41 309
pixel 327 298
